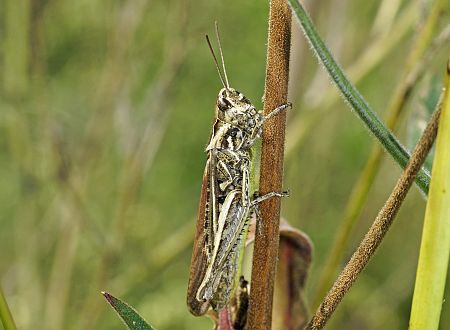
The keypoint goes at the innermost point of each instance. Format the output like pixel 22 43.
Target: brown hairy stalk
pixel 271 175
pixel 378 229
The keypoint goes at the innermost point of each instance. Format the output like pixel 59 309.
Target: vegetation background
pixel 105 110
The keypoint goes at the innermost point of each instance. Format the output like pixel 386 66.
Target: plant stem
pixel 5 313
pixel 378 229
pixel 435 246
pixel 355 99
pixel 416 63
pixel 271 176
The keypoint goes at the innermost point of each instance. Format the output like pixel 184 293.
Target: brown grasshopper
pixel 226 200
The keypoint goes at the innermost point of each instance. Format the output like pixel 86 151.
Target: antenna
pixel 217 64
pixel 221 53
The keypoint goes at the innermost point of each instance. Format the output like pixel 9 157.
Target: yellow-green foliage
pixel 435 246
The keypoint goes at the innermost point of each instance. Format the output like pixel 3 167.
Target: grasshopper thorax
pixel 235 109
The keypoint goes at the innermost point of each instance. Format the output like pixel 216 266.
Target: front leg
pixel 258 199
pixel 275 112
pixel 256 131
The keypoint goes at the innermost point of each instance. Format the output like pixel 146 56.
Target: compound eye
pixel 224 104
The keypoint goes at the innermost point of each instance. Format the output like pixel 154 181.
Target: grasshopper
pixel 226 201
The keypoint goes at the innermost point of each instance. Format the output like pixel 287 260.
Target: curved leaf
pixel 127 313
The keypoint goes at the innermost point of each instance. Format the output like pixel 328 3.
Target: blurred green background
pixel 105 110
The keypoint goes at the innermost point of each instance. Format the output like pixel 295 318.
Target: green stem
pixel 435 246
pixel 5 313
pixel 355 99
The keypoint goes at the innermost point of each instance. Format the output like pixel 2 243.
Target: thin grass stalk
pixel 414 70
pixel 435 246
pixel 267 236
pixel 355 99
pixel 378 230
pixel 5 313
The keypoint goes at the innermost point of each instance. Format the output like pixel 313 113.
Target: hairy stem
pixel 378 229
pixel 271 176
pixel 415 67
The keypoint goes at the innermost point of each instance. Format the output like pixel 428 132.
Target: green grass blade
pixel 435 245
pixel 5 314
pixel 127 313
pixel 400 154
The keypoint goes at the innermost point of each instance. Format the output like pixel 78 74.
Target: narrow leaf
pixel 127 313
pixel 5 314
pixel 435 246
pixel 357 102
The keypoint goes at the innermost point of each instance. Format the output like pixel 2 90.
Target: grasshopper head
pixel 234 108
